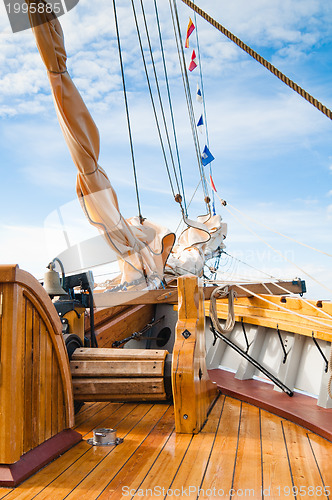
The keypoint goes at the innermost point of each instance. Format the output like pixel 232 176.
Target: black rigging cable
pixel 171 107
pixel 160 99
pixel 177 32
pixel 152 99
pixel 127 113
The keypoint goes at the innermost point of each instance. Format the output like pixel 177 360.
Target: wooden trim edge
pixel 13 474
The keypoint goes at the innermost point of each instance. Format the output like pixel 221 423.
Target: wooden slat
pixel 36 394
pixel 42 403
pixel 98 479
pixel 71 479
pixel 125 386
pixel 198 455
pixel 28 380
pixel 303 466
pixel 48 388
pixel 107 354
pixel 276 471
pixel 124 324
pixel 118 368
pixel 219 473
pixel 322 451
pixel 142 459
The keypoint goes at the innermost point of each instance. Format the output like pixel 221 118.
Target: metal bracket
pixel 245 336
pixel 282 346
pixel 321 352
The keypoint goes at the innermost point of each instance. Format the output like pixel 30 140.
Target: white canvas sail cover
pixel 142 249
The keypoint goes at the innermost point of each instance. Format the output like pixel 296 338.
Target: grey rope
pixel 221 293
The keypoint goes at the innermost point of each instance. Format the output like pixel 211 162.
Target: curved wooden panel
pixel 36 397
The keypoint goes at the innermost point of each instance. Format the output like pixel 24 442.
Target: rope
pixel 178 38
pixel 303 93
pixel 170 106
pixel 159 97
pixel 152 100
pixel 221 293
pixel 127 112
pixel 278 233
pixel 274 249
pixel 308 318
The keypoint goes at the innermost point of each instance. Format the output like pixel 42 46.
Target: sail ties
pixel 221 293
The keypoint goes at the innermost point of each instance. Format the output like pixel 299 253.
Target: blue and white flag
pixel 199 96
pixel 207 156
pixel 200 124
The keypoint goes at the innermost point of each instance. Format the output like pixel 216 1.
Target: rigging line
pixel 152 100
pixel 277 232
pixel 127 113
pixel 159 97
pixel 274 249
pixel 252 267
pixel 189 100
pixel 204 103
pixel 171 107
pixel 303 93
pixel 191 199
pixel 320 310
pixel 307 318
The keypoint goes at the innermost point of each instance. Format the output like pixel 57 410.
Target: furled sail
pixel 142 247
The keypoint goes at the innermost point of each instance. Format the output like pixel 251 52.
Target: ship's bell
pixel 52 283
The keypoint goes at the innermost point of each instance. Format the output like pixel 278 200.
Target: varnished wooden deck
pixel 240 451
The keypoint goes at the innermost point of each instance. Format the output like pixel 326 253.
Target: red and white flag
pixel 190 29
pixel 212 184
pixel 193 62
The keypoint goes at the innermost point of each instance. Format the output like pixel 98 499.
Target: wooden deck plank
pixel 97 480
pixel 142 459
pixel 304 468
pixel 322 450
pixel 167 463
pixel 70 479
pixel 188 478
pixel 219 472
pixel 248 467
pixel 153 455
pixel 39 483
pixel 276 471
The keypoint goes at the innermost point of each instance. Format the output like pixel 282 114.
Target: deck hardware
pixel 283 300
pixel 1 303
pixel 321 352
pixel 138 335
pixel 104 437
pixel 319 303
pixel 282 346
pixel 245 336
pixel 256 364
pixel 185 416
pixel 186 334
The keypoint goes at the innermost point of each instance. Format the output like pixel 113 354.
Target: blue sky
pixel 273 150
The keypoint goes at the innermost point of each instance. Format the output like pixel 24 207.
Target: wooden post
pixel 193 391
pixel 36 398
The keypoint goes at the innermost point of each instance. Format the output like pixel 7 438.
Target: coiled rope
pixel 294 86
pixel 220 293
